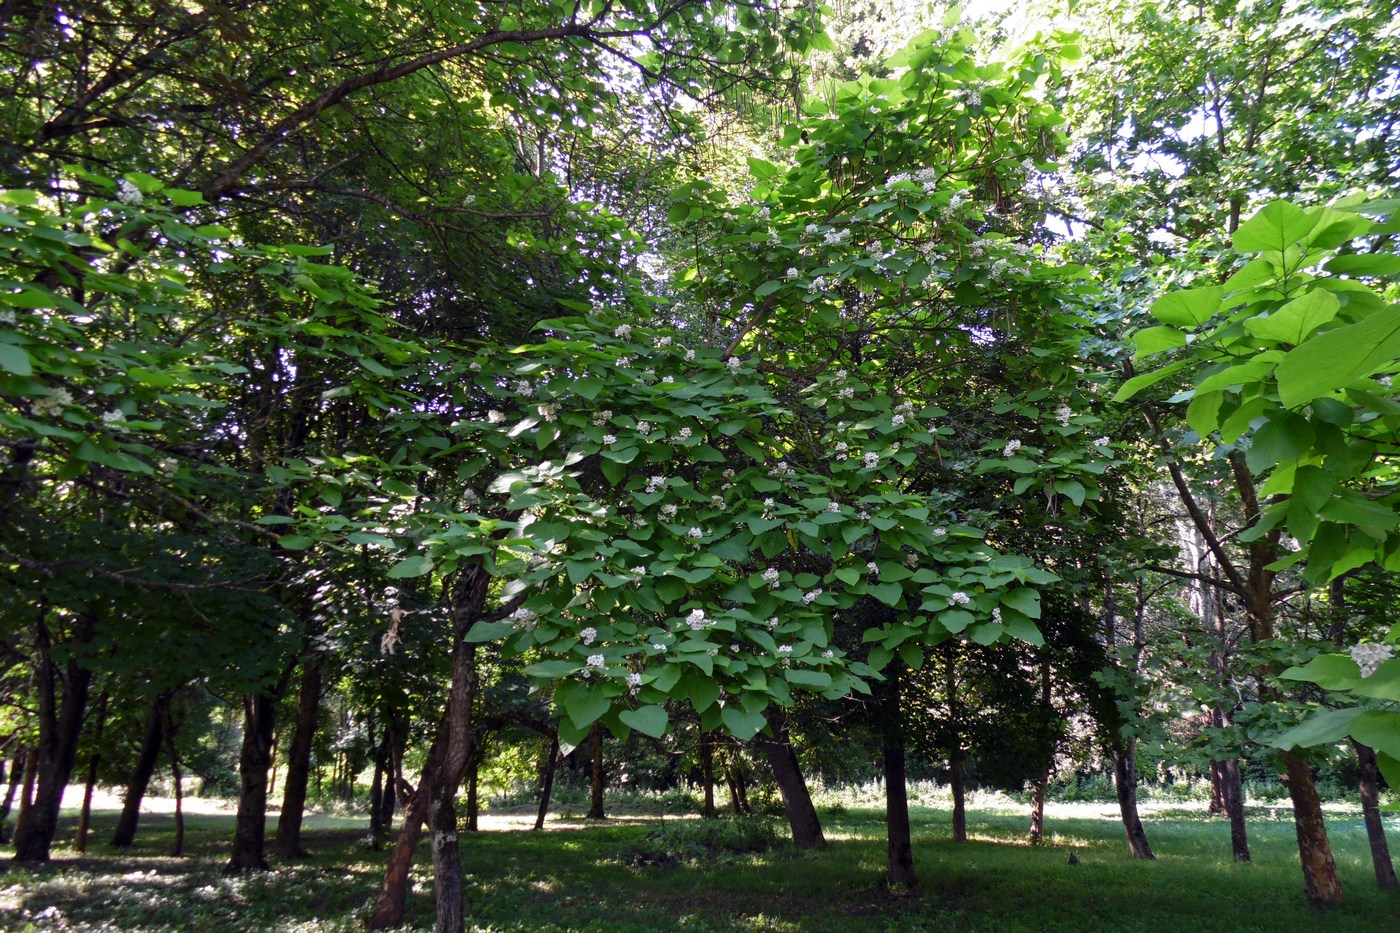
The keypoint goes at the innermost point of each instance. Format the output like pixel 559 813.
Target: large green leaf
pixel 1337 358
pixel 1189 307
pixel 1295 320
pixel 1276 226
pixel 1323 728
pixel 648 720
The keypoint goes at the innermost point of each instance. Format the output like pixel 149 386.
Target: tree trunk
pixel 1234 806
pixel 443 771
pixel 90 784
pixel 1217 787
pixel 955 777
pixel 146 759
pixel 547 782
pixel 1320 881
pixel 60 722
pixel 447 866
pixel 17 769
pixel 1042 785
pixel 26 794
pixel 797 802
pixel 250 825
pixel 707 773
pixel 900 842
pixel 1370 811
pixel 1125 782
pixel 177 848
pixel 595 804
pixel 473 798
pixel 288 840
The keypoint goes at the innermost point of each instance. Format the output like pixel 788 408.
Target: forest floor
pixel 642 872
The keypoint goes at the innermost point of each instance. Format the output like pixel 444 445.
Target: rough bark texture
pixel 1320 881
pixel 447 866
pixel 1037 834
pixel 90 784
pixel 250 825
pixel 1125 782
pixel 1370 811
pixel 151 743
pixel 60 722
pixel 288 840
pixel 595 797
pixel 443 770
pixel 551 762
pixel 707 773
pixel 17 769
pixel 900 844
pixel 1217 787
pixel 955 776
pixel 797 802
pixel 1234 806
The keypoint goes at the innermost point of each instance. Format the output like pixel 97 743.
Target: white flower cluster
pixel 128 193
pixel 771 577
pixel 842 450
pixel 811 597
pixel 817 285
pixel 1370 656
pixel 523 619
pixel 8 317
pixel 588 635
pixel 996 616
pixel 668 511
pixel 870 461
pixel 733 364
pixel 52 405
pixel 1103 442
pixel 624 332
pixel 897 420
pixel 661 342
pixel 791 273
pixel 1011 447
pixel 695 533
pixel 644 428
pixel 717 502
pixel 1063 414
pixel 845 392
pixel 549 412
pixel 495 417
pixel 634 681
pixel 834 507
pixel 683 434
pixel 959 599
pixel 609 440
pixel 781 469
pixel 836 237
pixel 785 650
pixel 690 356
pixel 828 654
pixel 116 418
pixel 655 482
pixel 872 568
pixel 601 418
pixel 696 620
pixel 597 661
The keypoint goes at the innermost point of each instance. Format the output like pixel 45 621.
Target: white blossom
pixel 897 420
pixel 828 653
pixel 959 599
pixel 623 331
pixel 696 620
pixel 634 679
pixel 549 412
pixel 872 567
pixel 733 364
pixel 523 619
pixel 1370 656
pixel 845 392
pixel 597 660
pixel 785 649
pixel 668 511
pixel 53 403
pixel 771 577
pixel 661 342
pixel 659 646
pixel 609 440
pixel 601 418
pixel 116 418
pixel 644 428
pixel 810 597
pixel 695 533
pixel 1103 442
pixel 871 461
pixel 689 356
pixel 683 434
pixel 128 193
pixel 523 387
pixel 656 482
pixel 588 635
pixel 996 616
pixel 1063 414
pixel 495 417
pixel 792 272
pixel 833 507
pixel 1011 447
pixel 717 502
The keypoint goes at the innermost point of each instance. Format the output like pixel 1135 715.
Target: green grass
pixel 644 873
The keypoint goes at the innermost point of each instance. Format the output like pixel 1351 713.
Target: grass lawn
pixel 649 873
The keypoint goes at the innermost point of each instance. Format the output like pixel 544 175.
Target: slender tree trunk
pixel 473 794
pixel 900 841
pixel 447 866
pixel 1320 881
pixel 177 848
pixel 288 840
pixel 60 723
pixel 146 759
pixel 707 773
pixel 26 795
pixel 1234 806
pixel 1217 787
pixel 797 802
pixel 250 825
pixel 551 762
pixel 442 772
pixel 90 784
pixel 1125 782
pixel 17 770
pixel 955 776
pixel 1042 784
pixel 595 804
pixel 1370 811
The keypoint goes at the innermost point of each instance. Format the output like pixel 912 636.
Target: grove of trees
pixel 387 386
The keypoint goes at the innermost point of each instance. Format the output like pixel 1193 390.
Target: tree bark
pixel 1125 782
pixel 250 825
pixel 177 848
pixel 447 866
pixel 473 791
pixel 1217 788
pixel 595 803
pixel 1042 785
pixel 1370 811
pixel 900 842
pixel 17 769
pixel 1234 806
pixel 443 771
pixel 1320 881
pixel 955 777
pixel 146 759
pixel 90 784
pixel 60 722
pixel 797 801
pixel 26 793
pixel 551 762
pixel 288 840
pixel 707 773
